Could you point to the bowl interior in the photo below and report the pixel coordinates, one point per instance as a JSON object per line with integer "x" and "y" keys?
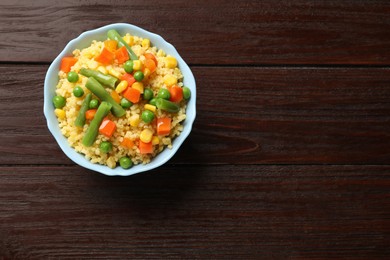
{"x": 83, "y": 41}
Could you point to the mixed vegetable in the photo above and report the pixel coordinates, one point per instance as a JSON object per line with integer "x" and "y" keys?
{"x": 122, "y": 92}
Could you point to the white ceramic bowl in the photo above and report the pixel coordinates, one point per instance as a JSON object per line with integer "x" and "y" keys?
{"x": 83, "y": 41}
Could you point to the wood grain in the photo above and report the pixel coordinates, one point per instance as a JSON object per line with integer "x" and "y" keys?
{"x": 196, "y": 212}
{"x": 212, "y": 31}
{"x": 262, "y": 115}
{"x": 288, "y": 157}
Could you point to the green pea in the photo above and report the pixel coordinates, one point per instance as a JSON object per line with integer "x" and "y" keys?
{"x": 125, "y": 103}
{"x": 139, "y": 76}
{"x": 148, "y": 94}
{"x": 78, "y": 91}
{"x": 164, "y": 94}
{"x": 73, "y": 76}
{"x": 59, "y": 101}
{"x": 105, "y": 147}
{"x": 147, "y": 116}
{"x": 128, "y": 66}
{"x": 94, "y": 103}
{"x": 153, "y": 102}
{"x": 186, "y": 93}
{"x": 125, "y": 162}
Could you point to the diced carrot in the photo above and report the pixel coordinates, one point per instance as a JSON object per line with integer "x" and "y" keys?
{"x": 132, "y": 94}
{"x": 150, "y": 64}
{"x": 145, "y": 148}
{"x": 116, "y": 96}
{"x": 163, "y": 126}
{"x": 127, "y": 142}
{"x": 107, "y": 127}
{"x": 176, "y": 93}
{"x": 67, "y": 63}
{"x": 152, "y": 57}
{"x": 90, "y": 114}
{"x": 129, "y": 78}
{"x": 121, "y": 55}
{"x": 106, "y": 57}
{"x": 110, "y": 45}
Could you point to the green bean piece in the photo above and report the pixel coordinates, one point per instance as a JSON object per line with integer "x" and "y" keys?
{"x": 80, "y": 119}
{"x": 114, "y": 35}
{"x": 104, "y": 79}
{"x": 93, "y": 129}
{"x": 167, "y": 105}
{"x": 96, "y": 88}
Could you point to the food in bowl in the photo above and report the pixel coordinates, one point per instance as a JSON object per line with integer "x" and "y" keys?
{"x": 120, "y": 101}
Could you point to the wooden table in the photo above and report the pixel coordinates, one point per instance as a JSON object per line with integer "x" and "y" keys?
{"x": 289, "y": 156}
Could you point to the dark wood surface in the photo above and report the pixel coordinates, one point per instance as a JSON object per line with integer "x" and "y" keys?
{"x": 289, "y": 155}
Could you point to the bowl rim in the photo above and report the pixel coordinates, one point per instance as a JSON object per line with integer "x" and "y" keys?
{"x": 79, "y": 158}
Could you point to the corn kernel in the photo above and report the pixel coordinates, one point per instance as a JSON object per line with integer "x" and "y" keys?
{"x": 115, "y": 96}
{"x": 138, "y": 86}
{"x": 102, "y": 69}
{"x": 170, "y": 80}
{"x": 146, "y": 135}
{"x": 128, "y": 39}
{"x": 147, "y": 72}
{"x": 92, "y": 64}
{"x": 111, "y": 162}
{"x": 155, "y": 140}
{"x": 111, "y": 45}
{"x": 115, "y": 73}
{"x": 121, "y": 86}
{"x": 137, "y": 65}
{"x": 60, "y": 113}
{"x": 134, "y": 121}
{"x": 170, "y": 62}
{"x": 145, "y": 43}
{"x": 150, "y": 107}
